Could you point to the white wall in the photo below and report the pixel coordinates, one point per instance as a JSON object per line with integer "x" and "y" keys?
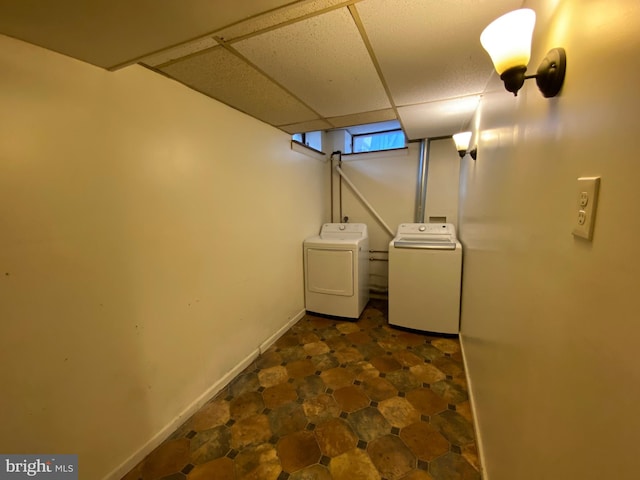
{"x": 442, "y": 181}
{"x": 388, "y": 181}
{"x": 550, "y": 322}
{"x": 151, "y": 240}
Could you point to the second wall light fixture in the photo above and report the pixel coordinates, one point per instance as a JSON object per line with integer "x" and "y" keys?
{"x": 508, "y": 42}
{"x": 462, "y": 144}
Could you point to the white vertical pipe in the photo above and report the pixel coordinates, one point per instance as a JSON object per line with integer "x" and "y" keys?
{"x": 364, "y": 200}
{"x": 423, "y": 174}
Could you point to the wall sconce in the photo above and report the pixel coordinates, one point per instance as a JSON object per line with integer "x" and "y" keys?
{"x": 508, "y": 42}
{"x": 462, "y": 144}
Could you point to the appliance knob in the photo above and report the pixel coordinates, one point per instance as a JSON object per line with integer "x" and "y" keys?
{"x": 422, "y": 228}
{"x": 341, "y": 227}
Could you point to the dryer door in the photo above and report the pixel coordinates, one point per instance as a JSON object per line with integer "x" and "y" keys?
{"x": 330, "y": 271}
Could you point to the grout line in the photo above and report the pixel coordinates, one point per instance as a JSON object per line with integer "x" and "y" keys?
{"x": 273, "y": 338}
{"x": 198, "y": 403}
{"x": 166, "y": 431}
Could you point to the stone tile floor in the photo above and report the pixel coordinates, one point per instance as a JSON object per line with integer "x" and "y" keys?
{"x": 333, "y": 399}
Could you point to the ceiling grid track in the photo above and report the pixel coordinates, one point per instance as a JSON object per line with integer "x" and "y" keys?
{"x": 233, "y": 51}
{"x": 187, "y": 57}
{"x": 164, "y": 74}
{"x": 365, "y": 38}
{"x": 210, "y": 34}
{"x": 416, "y": 62}
{"x": 230, "y": 41}
{"x": 292, "y": 21}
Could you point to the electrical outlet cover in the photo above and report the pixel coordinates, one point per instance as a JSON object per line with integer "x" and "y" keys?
{"x": 585, "y": 207}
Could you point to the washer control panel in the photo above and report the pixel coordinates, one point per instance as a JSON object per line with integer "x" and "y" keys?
{"x": 427, "y": 229}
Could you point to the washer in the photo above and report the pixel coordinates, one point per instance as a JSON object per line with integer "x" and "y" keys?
{"x": 425, "y": 273}
{"x": 336, "y": 265}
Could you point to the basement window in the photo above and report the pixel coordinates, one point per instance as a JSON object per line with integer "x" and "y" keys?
{"x": 377, "y": 141}
{"x": 308, "y": 143}
{"x": 309, "y": 139}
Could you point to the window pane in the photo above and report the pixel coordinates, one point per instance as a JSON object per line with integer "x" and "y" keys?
{"x": 374, "y": 142}
{"x": 310, "y": 139}
{"x": 314, "y": 140}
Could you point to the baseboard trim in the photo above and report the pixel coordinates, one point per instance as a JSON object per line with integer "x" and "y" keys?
{"x": 273, "y": 338}
{"x": 192, "y": 408}
{"x": 483, "y": 471}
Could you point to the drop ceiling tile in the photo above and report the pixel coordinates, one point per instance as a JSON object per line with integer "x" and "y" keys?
{"x": 323, "y": 61}
{"x": 311, "y": 126}
{"x": 223, "y": 76}
{"x": 116, "y": 32}
{"x": 277, "y": 17}
{"x": 431, "y": 49}
{"x": 437, "y": 119}
{"x": 363, "y": 118}
{"x": 179, "y": 52}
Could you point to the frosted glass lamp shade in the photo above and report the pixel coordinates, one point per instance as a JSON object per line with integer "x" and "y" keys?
{"x": 462, "y": 141}
{"x": 462, "y": 144}
{"x": 507, "y": 39}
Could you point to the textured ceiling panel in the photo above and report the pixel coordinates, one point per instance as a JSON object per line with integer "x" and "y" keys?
{"x": 430, "y": 49}
{"x": 323, "y": 61}
{"x": 224, "y": 76}
{"x": 180, "y": 51}
{"x": 362, "y": 118}
{"x": 109, "y": 33}
{"x": 280, "y": 16}
{"x": 300, "y": 65}
{"x": 311, "y": 126}
{"x": 438, "y": 119}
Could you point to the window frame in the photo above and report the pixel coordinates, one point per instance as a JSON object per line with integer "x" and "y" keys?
{"x": 381, "y": 132}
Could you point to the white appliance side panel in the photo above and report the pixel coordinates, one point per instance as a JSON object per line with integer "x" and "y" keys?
{"x": 330, "y": 271}
{"x": 424, "y": 289}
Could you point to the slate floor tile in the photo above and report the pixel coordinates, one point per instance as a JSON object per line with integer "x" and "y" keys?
{"x": 332, "y": 399}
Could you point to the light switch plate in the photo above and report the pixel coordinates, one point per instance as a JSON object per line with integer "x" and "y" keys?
{"x": 585, "y": 207}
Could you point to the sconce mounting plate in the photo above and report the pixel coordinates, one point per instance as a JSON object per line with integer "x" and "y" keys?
{"x": 550, "y": 74}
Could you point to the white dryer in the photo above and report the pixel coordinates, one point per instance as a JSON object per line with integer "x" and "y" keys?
{"x": 425, "y": 273}
{"x": 336, "y": 265}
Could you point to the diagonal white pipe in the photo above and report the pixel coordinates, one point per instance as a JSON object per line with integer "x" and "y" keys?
{"x": 364, "y": 201}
